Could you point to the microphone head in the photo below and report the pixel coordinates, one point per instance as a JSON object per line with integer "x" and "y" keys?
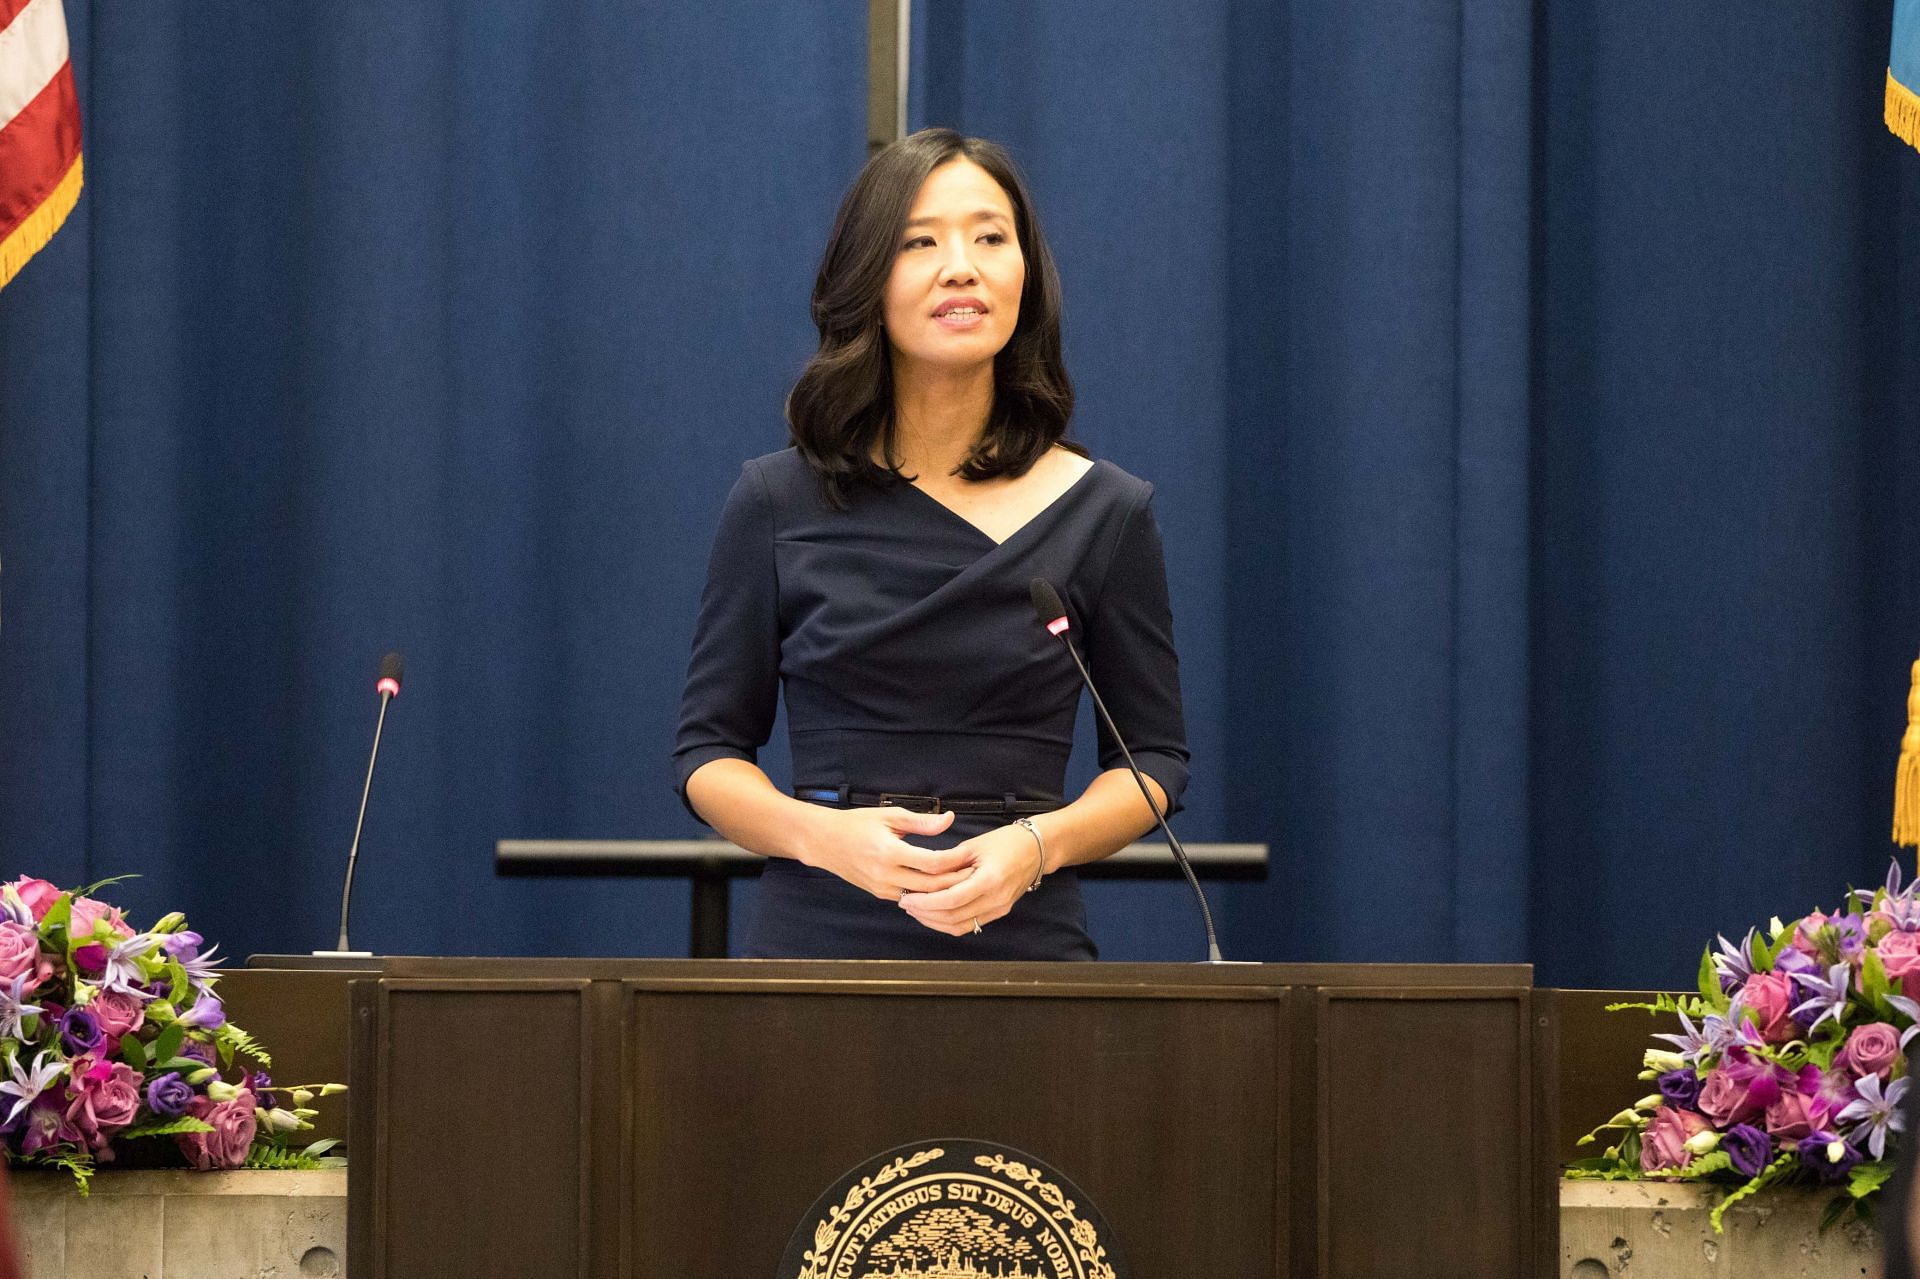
{"x": 1047, "y": 606}
{"x": 391, "y": 668}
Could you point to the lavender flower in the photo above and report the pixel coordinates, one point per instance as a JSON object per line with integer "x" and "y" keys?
{"x": 1749, "y": 1149}
{"x": 1691, "y": 1042}
{"x": 206, "y": 1014}
{"x": 169, "y": 1095}
{"x": 1909, "y": 1009}
{"x": 27, "y": 1084}
{"x": 1877, "y": 1113}
{"x": 13, "y": 910}
{"x": 1829, "y": 995}
{"x": 14, "y": 1007}
{"x": 123, "y": 972}
{"x": 1734, "y": 963}
{"x": 1901, "y": 906}
{"x": 200, "y": 968}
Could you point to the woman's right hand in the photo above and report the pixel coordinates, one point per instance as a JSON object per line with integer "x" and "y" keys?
{"x": 863, "y": 847}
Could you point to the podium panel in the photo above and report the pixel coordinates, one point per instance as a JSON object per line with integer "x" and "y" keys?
{"x": 677, "y": 1118}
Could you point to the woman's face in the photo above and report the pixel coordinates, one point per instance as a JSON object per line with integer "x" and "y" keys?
{"x": 954, "y": 295}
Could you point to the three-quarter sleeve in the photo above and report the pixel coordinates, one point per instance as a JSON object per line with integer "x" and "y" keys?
{"x": 1129, "y": 647}
{"x": 733, "y": 677}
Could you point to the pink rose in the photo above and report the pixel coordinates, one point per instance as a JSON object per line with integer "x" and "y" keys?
{"x": 117, "y": 1014}
{"x": 87, "y": 912}
{"x": 38, "y": 895}
{"x": 1900, "y": 956}
{"x": 232, "y": 1136}
{"x": 105, "y": 1097}
{"x": 1769, "y": 998}
{"x": 20, "y": 955}
{"x": 1803, "y": 931}
{"x": 1796, "y": 1115}
{"x": 1664, "y": 1143}
{"x": 1727, "y": 1097}
{"x": 1871, "y": 1050}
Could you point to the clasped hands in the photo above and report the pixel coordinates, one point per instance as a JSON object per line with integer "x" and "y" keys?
{"x": 948, "y": 890}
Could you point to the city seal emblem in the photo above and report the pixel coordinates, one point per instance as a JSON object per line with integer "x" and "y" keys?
{"x": 952, "y": 1209}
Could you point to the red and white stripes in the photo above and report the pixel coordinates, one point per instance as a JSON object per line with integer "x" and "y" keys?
{"x": 40, "y": 171}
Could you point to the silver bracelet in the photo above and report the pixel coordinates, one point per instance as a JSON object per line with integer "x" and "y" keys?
{"x": 1039, "y": 871}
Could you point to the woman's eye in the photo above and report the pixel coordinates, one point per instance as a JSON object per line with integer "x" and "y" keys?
{"x": 994, "y": 237}
{"x": 916, "y": 242}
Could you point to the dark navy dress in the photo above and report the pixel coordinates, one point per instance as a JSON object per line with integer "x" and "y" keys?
{"x": 913, "y": 663}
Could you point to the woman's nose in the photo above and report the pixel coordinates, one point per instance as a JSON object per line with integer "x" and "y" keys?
{"x": 958, "y": 267}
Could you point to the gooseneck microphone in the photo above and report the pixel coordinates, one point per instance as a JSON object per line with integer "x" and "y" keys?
{"x": 1053, "y": 615}
{"x": 388, "y": 687}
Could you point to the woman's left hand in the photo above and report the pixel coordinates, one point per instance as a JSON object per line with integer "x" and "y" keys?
{"x": 1004, "y": 862}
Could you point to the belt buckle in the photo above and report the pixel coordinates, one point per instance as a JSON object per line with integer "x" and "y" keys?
{"x": 912, "y": 803}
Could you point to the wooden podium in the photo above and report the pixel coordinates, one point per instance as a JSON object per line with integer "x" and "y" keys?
{"x": 677, "y": 1118}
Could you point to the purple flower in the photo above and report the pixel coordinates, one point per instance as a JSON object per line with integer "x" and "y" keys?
{"x": 1681, "y": 1088}
{"x": 1792, "y": 961}
{"x": 1877, "y": 1112}
{"x": 169, "y": 1095}
{"x": 1828, "y": 996}
{"x": 183, "y": 944}
{"x": 14, "y": 1008}
{"x": 1828, "y": 1155}
{"x": 79, "y": 1032}
{"x": 1748, "y": 1148}
{"x": 29, "y": 1082}
{"x": 198, "y": 1051}
{"x": 259, "y": 1083}
{"x": 206, "y": 1014}
{"x": 1734, "y": 964}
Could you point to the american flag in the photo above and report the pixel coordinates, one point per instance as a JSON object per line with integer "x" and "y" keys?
{"x": 39, "y": 130}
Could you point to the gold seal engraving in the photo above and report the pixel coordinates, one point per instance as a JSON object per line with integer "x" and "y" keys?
{"x": 974, "y": 1213}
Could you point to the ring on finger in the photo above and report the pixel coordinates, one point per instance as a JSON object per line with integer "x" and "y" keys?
{"x": 976, "y": 925}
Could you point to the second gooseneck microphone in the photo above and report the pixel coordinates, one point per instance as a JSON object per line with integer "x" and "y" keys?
{"x": 388, "y": 687}
{"x": 1053, "y": 615}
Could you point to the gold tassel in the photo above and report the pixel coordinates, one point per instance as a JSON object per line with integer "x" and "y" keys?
{"x": 1903, "y": 111}
{"x": 1906, "y": 785}
{"x": 32, "y": 235}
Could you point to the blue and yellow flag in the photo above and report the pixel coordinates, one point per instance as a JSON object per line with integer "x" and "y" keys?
{"x": 1903, "y": 73}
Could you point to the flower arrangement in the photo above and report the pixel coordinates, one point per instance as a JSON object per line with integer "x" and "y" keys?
{"x": 1790, "y": 1064}
{"x": 108, "y": 1035}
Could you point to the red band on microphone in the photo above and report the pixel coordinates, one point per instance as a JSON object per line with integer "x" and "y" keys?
{"x": 1058, "y": 626}
{"x": 391, "y": 687}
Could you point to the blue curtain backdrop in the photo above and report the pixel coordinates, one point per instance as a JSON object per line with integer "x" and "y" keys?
{"x": 1532, "y": 390}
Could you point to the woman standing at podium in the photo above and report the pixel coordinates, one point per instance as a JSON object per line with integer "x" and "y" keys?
{"x": 880, "y": 569}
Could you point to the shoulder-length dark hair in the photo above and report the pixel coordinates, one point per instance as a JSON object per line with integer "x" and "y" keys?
{"x": 842, "y": 406}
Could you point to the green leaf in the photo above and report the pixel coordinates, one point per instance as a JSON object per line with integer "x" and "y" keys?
{"x": 1868, "y": 1177}
{"x": 1709, "y": 978}
{"x": 97, "y": 885}
{"x": 181, "y": 1063}
{"x": 233, "y": 1039}
{"x": 1714, "y": 1161}
{"x": 168, "y": 1044}
{"x": 319, "y": 1148}
{"x": 133, "y": 1052}
{"x": 168, "y": 1127}
{"x": 1837, "y": 1205}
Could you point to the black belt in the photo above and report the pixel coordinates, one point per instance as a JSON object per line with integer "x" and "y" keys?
{"x": 846, "y": 797}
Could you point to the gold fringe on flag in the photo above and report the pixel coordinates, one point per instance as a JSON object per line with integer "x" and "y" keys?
{"x": 1906, "y": 785}
{"x": 32, "y": 235}
{"x": 1903, "y": 111}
